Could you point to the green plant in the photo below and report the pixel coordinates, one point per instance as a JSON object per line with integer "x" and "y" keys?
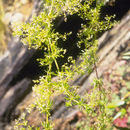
{"x": 40, "y": 33}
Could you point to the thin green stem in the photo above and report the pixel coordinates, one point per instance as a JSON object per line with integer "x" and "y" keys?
{"x": 56, "y": 64}
{"x": 52, "y": 4}
{"x": 50, "y": 44}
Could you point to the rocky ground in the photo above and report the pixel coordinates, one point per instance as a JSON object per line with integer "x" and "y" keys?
{"x": 116, "y": 78}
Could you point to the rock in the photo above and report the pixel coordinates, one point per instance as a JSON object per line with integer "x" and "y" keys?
{"x": 16, "y": 18}
{"x": 7, "y": 18}
{"x": 24, "y": 1}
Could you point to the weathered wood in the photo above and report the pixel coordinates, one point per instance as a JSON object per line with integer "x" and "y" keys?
{"x": 11, "y": 63}
{"x": 15, "y": 58}
{"x": 12, "y": 98}
{"x": 21, "y": 59}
